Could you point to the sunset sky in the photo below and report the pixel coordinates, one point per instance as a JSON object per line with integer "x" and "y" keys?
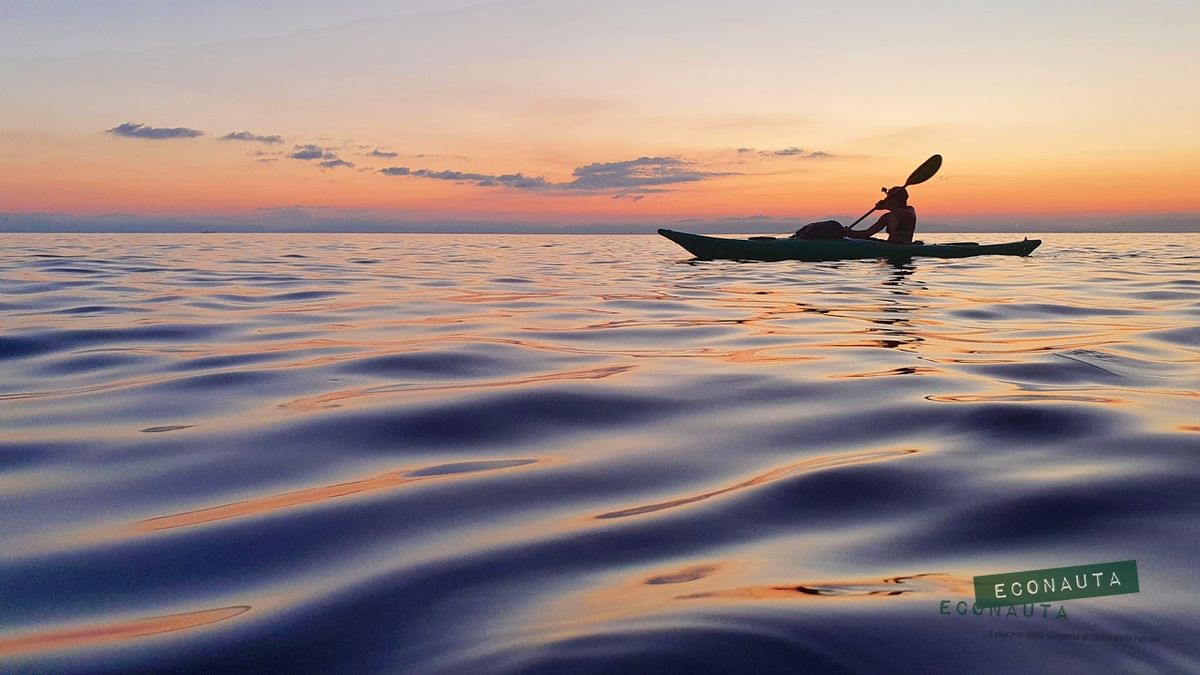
{"x": 571, "y": 112}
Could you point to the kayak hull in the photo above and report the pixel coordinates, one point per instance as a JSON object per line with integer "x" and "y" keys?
{"x": 817, "y": 250}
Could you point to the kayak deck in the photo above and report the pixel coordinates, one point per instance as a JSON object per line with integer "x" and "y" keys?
{"x": 816, "y": 250}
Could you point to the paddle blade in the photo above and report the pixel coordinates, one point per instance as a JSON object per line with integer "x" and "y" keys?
{"x": 925, "y": 171}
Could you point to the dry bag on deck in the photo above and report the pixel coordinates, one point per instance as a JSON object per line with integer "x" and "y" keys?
{"x": 825, "y": 229}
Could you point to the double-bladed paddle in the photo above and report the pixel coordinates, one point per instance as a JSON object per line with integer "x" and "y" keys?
{"x": 922, "y": 174}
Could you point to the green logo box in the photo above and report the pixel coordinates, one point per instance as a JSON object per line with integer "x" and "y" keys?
{"x": 1056, "y": 583}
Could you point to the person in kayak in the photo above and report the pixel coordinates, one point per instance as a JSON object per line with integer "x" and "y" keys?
{"x": 900, "y": 221}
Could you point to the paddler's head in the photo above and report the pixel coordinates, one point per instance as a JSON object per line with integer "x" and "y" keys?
{"x": 896, "y": 197}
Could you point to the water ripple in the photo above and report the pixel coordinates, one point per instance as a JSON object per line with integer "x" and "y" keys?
{"x": 813, "y": 464}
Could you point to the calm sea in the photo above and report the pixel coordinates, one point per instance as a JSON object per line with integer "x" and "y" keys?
{"x": 565, "y": 454}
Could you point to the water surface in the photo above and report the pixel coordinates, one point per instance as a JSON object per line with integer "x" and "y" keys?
{"x": 495, "y": 454}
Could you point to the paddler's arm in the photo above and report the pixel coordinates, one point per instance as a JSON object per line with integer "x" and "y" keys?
{"x": 866, "y": 234}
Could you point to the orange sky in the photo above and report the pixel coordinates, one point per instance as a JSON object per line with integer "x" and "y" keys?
{"x": 1033, "y": 114}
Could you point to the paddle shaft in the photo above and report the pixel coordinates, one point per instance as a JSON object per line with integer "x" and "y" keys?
{"x": 861, "y": 218}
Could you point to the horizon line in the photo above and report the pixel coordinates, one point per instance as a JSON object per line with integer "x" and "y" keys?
{"x": 302, "y": 220}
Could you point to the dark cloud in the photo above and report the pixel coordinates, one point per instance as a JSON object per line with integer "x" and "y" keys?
{"x": 251, "y": 137}
{"x": 641, "y": 175}
{"x": 326, "y": 158}
{"x": 630, "y": 197}
{"x": 382, "y": 153}
{"x": 311, "y": 152}
{"x": 800, "y": 152}
{"x": 522, "y": 181}
{"x": 451, "y": 175}
{"x": 137, "y": 130}
{"x": 636, "y": 173}
{"x": 515, "y": 180}
{"x": 792, "y": 151}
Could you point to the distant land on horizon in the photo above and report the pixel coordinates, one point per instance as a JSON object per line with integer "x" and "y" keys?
{"x": 303, "y": 220}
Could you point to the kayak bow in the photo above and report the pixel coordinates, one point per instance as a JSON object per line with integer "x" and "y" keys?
{"x": 813, "y": 250}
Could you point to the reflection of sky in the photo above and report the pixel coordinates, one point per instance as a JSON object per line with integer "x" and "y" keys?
{"x": 481, "y": 110}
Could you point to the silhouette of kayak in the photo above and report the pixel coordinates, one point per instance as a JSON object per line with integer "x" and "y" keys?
{"x": 813, "y": 250}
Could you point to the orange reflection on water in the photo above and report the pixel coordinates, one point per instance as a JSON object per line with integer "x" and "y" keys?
{"x": 682, "y": 576}
{"x": 286, "y": 500}
{"x": 680, "y": 589}
{"x": 331, "y": 399}
{"x": 481, "y": 296}
{"x": 1024, "y": 397}
{"x": 197, "y": 352}
{"x": 813, "y": 464}
{"x": 762, "y": 355}
{"x": 906, "y": 370}
{"x": 100, "y": 634}
{"x": 929, "y": 583}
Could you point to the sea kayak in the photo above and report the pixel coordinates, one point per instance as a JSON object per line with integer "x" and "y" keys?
{"x": 812, "y": 250}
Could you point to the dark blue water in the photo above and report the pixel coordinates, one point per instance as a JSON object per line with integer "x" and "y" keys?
{"x": 436, "y": 454}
